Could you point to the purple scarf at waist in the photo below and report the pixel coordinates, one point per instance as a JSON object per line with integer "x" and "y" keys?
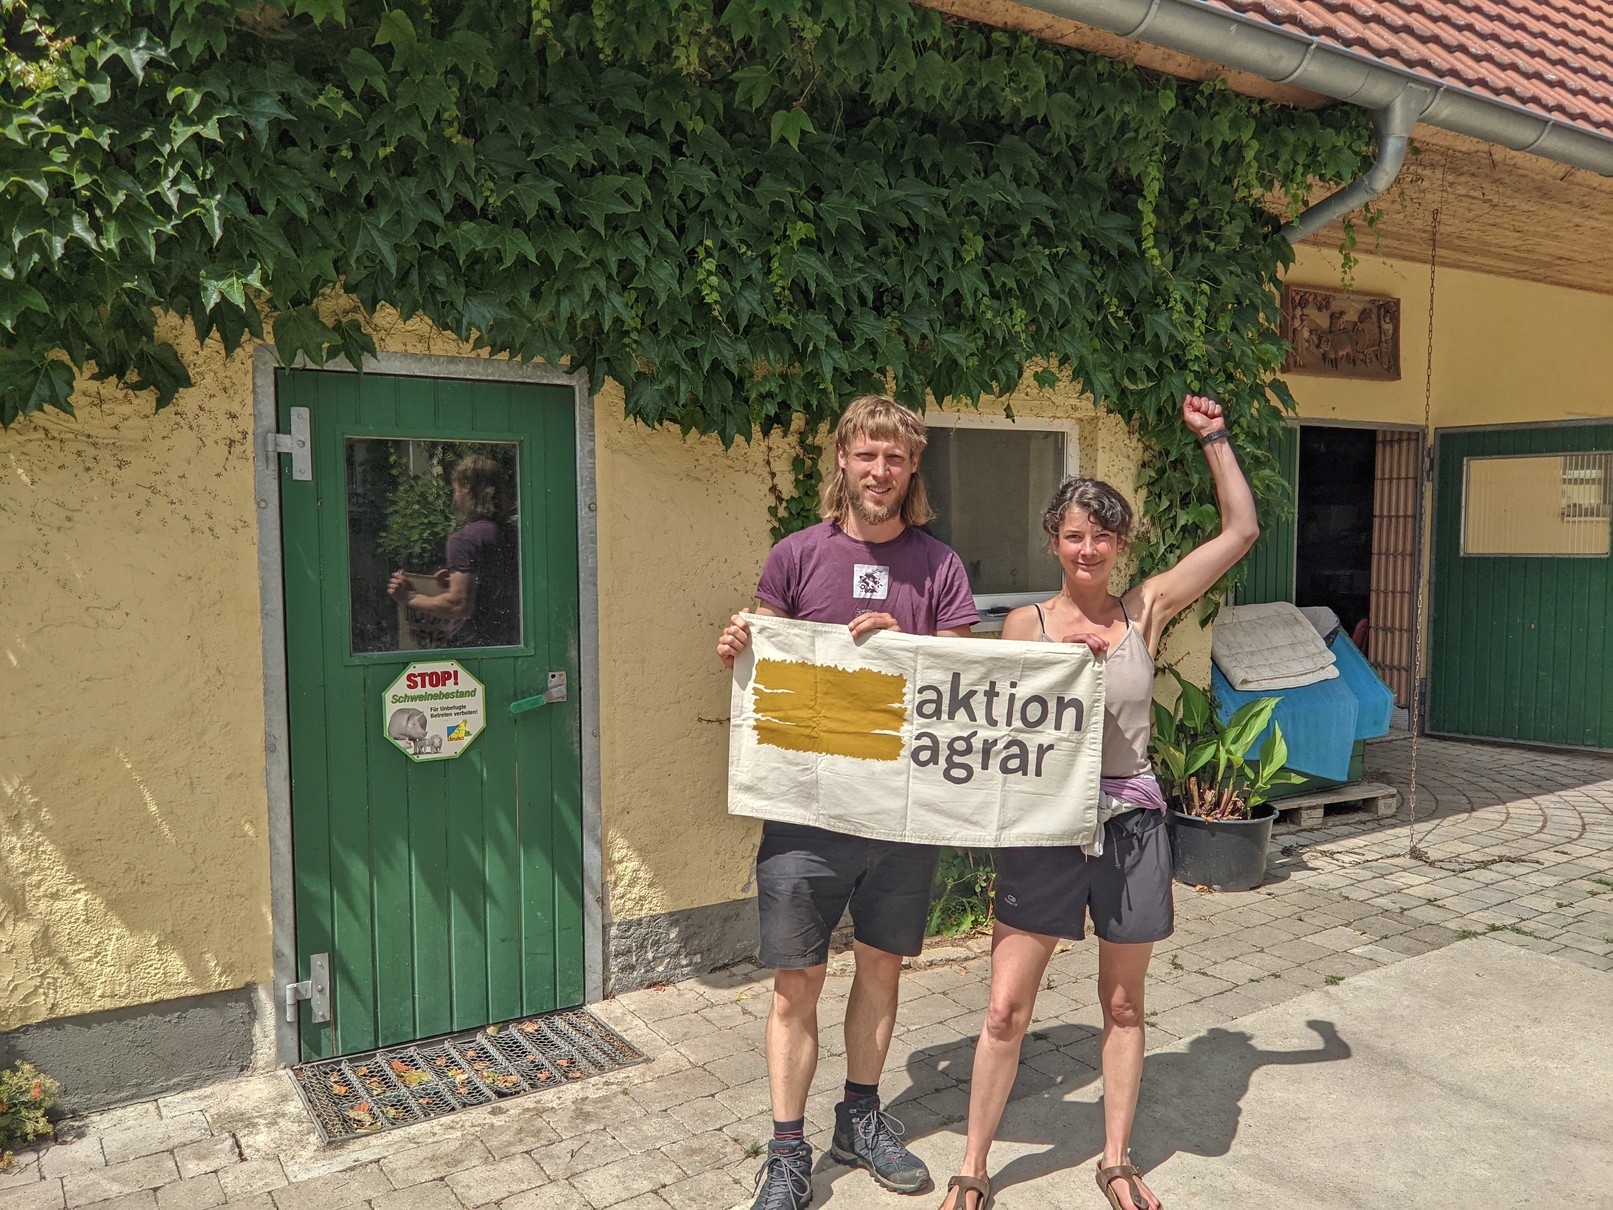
{"x": 1142, "y": 789}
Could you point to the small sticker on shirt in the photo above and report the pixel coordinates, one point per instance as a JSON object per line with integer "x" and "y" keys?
{"x": 871, "y": 582}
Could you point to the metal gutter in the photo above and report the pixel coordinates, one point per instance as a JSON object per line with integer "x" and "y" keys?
{"x": 1399, "y": 98}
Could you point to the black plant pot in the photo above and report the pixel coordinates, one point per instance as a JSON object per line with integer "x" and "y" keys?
{"x": 1222, "y": 854}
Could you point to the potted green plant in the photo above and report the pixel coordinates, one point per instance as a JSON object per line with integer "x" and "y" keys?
{"x": 1218, "y": 816}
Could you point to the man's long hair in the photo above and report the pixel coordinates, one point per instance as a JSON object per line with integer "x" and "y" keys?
{"x": 883, "y": 419}
{"x": 484, "y": 479}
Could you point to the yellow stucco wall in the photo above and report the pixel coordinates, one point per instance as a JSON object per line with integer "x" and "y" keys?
{"x": 683, "y": 531}
{"x": 133, "y": 855}
{"x": 1505, "y": 351}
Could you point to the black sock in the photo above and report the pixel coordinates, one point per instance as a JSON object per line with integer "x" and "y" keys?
{"x": 861, "y": 1092}
{"x": 789, "y": 1132}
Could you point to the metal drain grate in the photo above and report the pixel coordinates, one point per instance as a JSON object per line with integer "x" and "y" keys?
{"x": 384, "y": 1089}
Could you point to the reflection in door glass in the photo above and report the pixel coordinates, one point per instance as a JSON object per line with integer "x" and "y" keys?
{"x": 433, "y": 538}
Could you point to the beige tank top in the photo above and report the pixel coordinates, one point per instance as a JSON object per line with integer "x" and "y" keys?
{"x": 1127, "y": 701}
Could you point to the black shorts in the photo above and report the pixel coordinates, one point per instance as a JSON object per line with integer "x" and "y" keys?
{"x": 1127, "y": 890}
{"x": 806, "y": 876}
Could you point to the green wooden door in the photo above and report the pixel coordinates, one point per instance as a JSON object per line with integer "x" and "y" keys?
{"x": 1521, "y": 636}
{"x": 446, "y": 892}
{"x": 1269, "y": 568}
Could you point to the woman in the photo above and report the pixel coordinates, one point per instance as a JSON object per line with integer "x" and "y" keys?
{"x": 1044, "y": 894}
{"x": 479, "y": 601}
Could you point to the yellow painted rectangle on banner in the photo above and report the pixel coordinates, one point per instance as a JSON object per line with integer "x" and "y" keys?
{"x": 833, "y": 711}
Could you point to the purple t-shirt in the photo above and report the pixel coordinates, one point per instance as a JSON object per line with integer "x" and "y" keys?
{"x": 820, "y": 574}
{"x": 485, "y": 550}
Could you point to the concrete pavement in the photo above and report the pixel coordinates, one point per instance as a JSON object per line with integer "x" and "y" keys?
{"x": 1408, "y": 1010}
{"x": 1475, "y": 1076}
{"x": 1435, "y": 1081}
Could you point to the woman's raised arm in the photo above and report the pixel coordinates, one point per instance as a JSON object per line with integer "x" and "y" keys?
{"x": 1169, "y": 592}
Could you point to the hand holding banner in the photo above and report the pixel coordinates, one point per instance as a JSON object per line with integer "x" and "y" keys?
{"x": 911, "y": 738}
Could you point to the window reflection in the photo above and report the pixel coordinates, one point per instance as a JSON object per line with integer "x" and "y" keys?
{"x": 988, "y": 488}
{"x": 433, "y": 544}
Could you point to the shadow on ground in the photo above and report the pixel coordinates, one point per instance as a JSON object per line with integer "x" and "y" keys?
{"x": 1055, "y": 1108}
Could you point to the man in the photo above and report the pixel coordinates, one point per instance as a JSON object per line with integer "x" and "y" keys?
{"x": 867, "y": 566}
{"x": 479, "y": 602}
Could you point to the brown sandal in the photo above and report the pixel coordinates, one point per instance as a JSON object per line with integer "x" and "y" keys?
{"x": 1127, "y": 1172}
{"x": 967, "y": 1185}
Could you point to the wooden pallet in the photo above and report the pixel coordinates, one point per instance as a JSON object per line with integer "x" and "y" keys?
{"x": 1375, "y": 800}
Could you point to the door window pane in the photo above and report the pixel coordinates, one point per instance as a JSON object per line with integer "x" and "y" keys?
{"x": 433, "y": 539}
{"x": 1538, "y": 504}
{"x": 989, "y": 488}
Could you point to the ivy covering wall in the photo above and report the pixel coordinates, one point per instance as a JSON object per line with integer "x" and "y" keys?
{"x": 742, "y": 210}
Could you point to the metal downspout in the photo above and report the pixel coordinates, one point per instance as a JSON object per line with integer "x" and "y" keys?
{"x": 1394, "y": 123}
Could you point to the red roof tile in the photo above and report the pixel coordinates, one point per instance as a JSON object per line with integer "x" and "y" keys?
{"x": 1552, "y": 57}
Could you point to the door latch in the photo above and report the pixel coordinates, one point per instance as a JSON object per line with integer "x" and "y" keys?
{"x": 295, "y": 443}
{"x": 556, "y": 692}
{"x": 315, "y": 989}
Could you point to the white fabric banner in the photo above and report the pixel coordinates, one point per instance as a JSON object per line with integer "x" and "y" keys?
{"x": 973, "y": 743}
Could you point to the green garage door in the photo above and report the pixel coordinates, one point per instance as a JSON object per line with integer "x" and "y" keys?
{"x": 1520, "y": 645}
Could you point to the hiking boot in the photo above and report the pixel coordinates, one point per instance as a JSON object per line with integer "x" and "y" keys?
{"x": 785, "y": 1181}
{"x": 867, "y": 1136}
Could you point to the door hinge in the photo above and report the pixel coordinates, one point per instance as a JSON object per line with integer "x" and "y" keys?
{"x": 315, "y": 989}
{"x": 1428, "y": 464}
{"x": 295, "y": 443}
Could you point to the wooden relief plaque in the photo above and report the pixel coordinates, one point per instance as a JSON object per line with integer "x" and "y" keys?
{"x": 1341, "y": 334}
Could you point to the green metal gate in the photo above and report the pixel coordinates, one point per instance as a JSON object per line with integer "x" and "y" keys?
{"x": 1519, "y": 643}
{"x": 446, "y": 893}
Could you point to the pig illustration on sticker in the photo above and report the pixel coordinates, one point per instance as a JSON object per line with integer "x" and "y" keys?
{"x": 407, "y": 729}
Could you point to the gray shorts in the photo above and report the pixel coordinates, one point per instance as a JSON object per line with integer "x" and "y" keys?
{"x": 1127, "y": 890}
{"x": 806, "y": 876}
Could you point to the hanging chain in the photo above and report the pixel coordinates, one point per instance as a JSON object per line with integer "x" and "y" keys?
{"x": 1416, "y": 851}
{"x": 1416, "y": 703}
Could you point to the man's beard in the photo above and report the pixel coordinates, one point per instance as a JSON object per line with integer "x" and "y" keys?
{"x": 869, "y": 515}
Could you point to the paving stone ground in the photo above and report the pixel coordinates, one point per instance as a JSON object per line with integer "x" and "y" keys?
{"x": 1503, "y": 842}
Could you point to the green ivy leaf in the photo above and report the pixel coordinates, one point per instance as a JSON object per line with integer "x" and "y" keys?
{"x": 301, "y": 332}
{"x": 157, "y": 368}
{"x": 320, "y": 10}
{"x": 395, "y": 29}
{"x": 28, "y": 385}
{"x": 137, "y": 52}
{"x": 789, "y": 125}
{"x": 363, "y": 69}
{"x": 17, "y": 297}
{"x": 753, "y": 85}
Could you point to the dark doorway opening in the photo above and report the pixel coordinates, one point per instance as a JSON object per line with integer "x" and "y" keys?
{"x": 1333, "y": 547}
